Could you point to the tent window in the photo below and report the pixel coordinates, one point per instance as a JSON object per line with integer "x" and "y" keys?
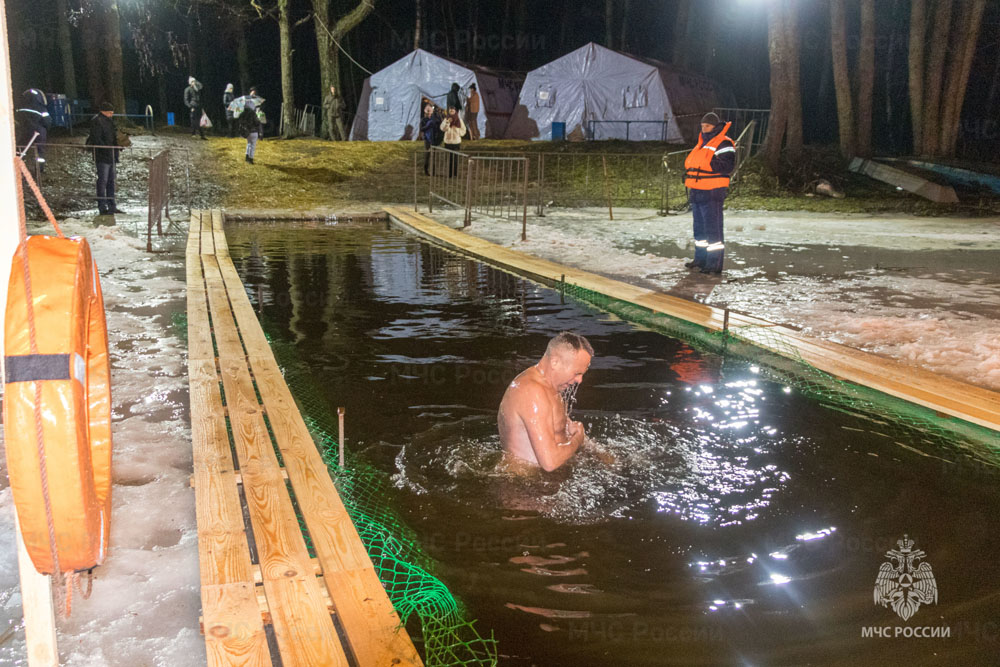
{"x": 634, "y": 97}
{"x": 545, "y": 96}
{"x": 380, "y": 101}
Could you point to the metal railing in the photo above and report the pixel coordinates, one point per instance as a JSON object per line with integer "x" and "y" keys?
{"x": 303, "y": 120}
{"x": 159, "y": 196}
{"x": 448, "y": 178}
{"x": 67, "y": 181}
{"x": 744, "y": 118}
{"x": 498, "y": 187}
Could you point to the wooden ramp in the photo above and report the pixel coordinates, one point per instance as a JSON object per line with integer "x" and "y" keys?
{"x": 944, "y": 395}
{"x": 260, "y": 588}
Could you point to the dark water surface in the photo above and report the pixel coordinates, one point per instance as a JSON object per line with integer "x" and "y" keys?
{"x": 740, "y": 523}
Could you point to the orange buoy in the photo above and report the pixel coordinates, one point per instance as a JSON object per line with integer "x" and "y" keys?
{"x": 58, "y": 402}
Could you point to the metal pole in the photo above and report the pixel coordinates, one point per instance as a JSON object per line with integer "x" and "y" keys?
{"x": 524, "y": 203}
{"x": 468, "y": 193}
{"x": 340, "y": 435}
{"x": 415, "y": 181}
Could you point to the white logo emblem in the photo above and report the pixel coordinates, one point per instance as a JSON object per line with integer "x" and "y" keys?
{"x": 904, "y": 584}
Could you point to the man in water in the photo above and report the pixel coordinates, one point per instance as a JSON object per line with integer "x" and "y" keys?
{"x": 533, "y": 420}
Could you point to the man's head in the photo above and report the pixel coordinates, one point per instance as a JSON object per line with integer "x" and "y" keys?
{"x": 333, "y": 90}
{"x": 192, "y": 80}
{"x": 472, "y": 87}
{"x": 709, "y": 121}
{"x": 567, "y": 357}
{"x": 253, "y": 90}
{"x": 106, "y": 109}
{"x": 230, "y": 88}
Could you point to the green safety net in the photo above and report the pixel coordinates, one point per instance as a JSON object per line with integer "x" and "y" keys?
{"x": 450, "y": 639}
{"x": 908, "y": 424}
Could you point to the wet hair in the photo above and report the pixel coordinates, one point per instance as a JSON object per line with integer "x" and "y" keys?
{"x": 575, "y": 342}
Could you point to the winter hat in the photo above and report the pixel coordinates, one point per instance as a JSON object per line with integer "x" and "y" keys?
{"x": 106, "y": 106}
{"x": 710, "y": 118}
{"x": 192, "y": 80}
{"x": 229, "y": 87}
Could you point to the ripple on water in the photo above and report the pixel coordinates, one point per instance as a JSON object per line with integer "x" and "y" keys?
{"x": 700, "y": 475}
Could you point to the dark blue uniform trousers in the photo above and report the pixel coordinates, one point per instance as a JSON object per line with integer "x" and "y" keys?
{"x": 706, "y": 206}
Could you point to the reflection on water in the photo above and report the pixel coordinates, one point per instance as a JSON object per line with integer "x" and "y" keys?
{"x": 739, "y": 523}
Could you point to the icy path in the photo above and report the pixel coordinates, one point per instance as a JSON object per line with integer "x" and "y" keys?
{"x": 145, "y": 605}
{"x": 925, "y": 291}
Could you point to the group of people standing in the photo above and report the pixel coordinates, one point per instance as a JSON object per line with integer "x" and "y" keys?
{"x": 244, "y": 115}
{"x": 449, "y": 128}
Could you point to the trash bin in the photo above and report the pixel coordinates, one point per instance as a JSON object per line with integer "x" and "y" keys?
{"x": 558, "y": 131}
{"x": 170, "y": 118}
{"x": 59, "y": 110}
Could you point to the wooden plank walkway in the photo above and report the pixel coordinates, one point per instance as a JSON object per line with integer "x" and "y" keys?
{"x": 329, "y": 610}
{"x": 944, "y": 395}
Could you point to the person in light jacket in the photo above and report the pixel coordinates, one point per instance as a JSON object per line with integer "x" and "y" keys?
{"x": 454, "y": 129}
{"x": 227, "y": 99}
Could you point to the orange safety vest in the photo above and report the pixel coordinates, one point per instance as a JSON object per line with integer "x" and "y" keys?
{"x": 698, "y": 174}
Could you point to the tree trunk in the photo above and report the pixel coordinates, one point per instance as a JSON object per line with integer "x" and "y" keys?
{"x": 777, "y": 55}
{"x": 681, "y": 31}
{"x": 114, "y": 83}
{"x": 918, "y": 36}
{"x": 609, "y": 23}
{"x": 327, "y": 36}
{"x": 287, "y": 88}
{"x": 866, "y": 79}
{"x": 564, "y": 24}
{"x": 935, "y": 74}
{"x": 93, "y": 52}
{"x": 968, "y": 32}
{"x": 65, "y": 38}
{"x": 161, "y": 98}
{"x": 841, "y": 76}
{"x": 792, "y": 44}
{"x": 416, "y": 25}
{"x": 243, "y": 61}
{"x": 623, "y": 41}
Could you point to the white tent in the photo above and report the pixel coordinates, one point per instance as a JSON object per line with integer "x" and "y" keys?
{"x": 389, "y": 106}
{"x": 602, "y": 94}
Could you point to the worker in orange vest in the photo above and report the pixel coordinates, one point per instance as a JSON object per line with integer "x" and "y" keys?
{"x": 706, "y": 176}
{"x": 472, "y": 112}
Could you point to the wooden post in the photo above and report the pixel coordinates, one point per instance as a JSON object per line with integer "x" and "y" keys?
{"x": 39, "y": 611}
{"x": 415, "y": 181}
{"x": 607, "y": 189}
{"x": 340, "y": 436}
{"x": 468, "y": 192}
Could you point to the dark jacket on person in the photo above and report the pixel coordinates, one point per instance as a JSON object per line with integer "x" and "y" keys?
{"x": 227, "y": 99}
{"x": 250, "y": 123}
{"x": 455, "y": 98}
{"x": 192, "y": 96}
{"x": 724, "y": 162}
{"x": 32, "y": 115}
{"x": 429, "y": 129}
{"x": 103, "y": 133}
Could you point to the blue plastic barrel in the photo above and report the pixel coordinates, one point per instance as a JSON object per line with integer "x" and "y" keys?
{"x": 558, "y": 131}
{"x": 170, "y": 118}
{"x": 59, "y": 110}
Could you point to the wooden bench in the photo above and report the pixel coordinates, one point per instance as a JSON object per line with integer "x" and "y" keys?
{"x": 310, "y": 604}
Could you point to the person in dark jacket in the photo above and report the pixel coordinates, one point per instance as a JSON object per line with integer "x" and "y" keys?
{"x": 429, "y": 123}
{"x": 192, "y": 100}
{"x": 333, "y": 113}
{"x": 227, "y": 99}
{"x": 706, "y": 176}
{"x": 104, "y": 138}
{"x": 251, "y": 126}
{"x": 32, "y": 117}
{"x": 455, "y": 98}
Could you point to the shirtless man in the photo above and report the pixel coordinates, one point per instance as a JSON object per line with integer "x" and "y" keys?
{"x": 532, "y": 419}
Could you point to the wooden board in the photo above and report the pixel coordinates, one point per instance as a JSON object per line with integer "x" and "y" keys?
{"x": 234, "y": 631}
{"x": 370, "y": 622}
{"x": 944, "y": 395}
{"x": 942, "y": 194}
{"x": 294, "y": 593}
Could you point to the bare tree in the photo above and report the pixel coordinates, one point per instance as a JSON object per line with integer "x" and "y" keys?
{"x": 792, "y": 44}
{"x": 967, "y": 34}
{"x": 65, "y": 39}
{"x": 329, "y": 35}
{"x": 866, "y": 79}
{"x": 841, "y": 76}
{"x": 623, "y": 40}
{"x": 609, "y": 23}
{"x": 777, "y": 55}
{"x": 918, "y": 36}
{"x": 934, "y": 76}
{"x": 682, "y": 32}
{"x": 287, "y": 84}
{"x": 416, "y": 25}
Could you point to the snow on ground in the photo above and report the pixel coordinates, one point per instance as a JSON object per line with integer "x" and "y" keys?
{"x": 146, "y": 602}
{"x": 924, "y": 291}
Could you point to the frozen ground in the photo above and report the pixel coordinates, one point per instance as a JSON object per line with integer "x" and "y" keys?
{"x": 924, "y": 291}
{"x": 145, "y": 604}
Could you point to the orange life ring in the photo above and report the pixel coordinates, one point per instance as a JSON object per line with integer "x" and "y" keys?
{"x": 66, "y": 377}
